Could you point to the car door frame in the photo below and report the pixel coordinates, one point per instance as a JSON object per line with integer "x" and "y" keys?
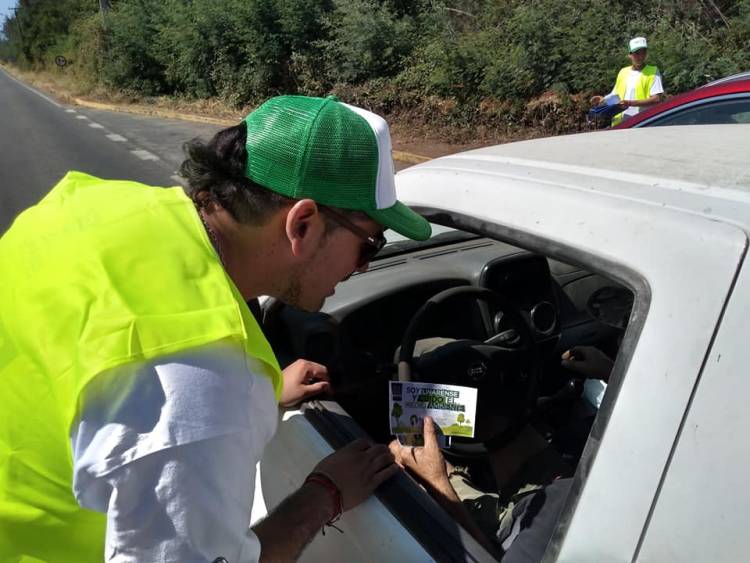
{"x": 653, "y": 121}
{"x": 620, "y": 473}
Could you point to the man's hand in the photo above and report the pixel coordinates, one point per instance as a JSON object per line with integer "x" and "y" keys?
{"x": 588, "y": 361}
{"x": 302, "y": 380}
{"x": 596, "y": 100}
{"x": 358, "y": 469}
{"x": 426, "y": 462}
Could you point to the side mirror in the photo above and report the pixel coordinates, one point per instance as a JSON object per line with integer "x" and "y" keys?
{"x": 611, "y": 306}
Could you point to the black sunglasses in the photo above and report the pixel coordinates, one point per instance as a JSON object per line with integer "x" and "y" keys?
{"x": 371, "y": 245}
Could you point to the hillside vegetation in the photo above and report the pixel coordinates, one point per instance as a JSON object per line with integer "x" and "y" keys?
{"x": 477, "y": 67}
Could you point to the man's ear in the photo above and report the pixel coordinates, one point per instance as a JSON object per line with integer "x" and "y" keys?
{"x": 304, "y": 228}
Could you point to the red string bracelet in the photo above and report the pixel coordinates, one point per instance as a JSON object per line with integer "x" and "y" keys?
{"x": 327, "y": 483}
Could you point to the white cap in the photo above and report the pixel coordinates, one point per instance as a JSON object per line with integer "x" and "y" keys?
{"x": 638, "y": 43}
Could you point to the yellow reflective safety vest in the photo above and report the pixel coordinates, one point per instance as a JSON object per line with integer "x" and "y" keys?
{"x": 98, "y": 274}
{"x": 642, "y": 87}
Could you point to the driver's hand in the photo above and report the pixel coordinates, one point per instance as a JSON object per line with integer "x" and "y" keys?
{"x": 588, "y": 361}
{"x": 426, "y": 462}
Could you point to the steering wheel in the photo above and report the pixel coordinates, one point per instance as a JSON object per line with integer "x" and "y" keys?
{"x": 504, "y": 369}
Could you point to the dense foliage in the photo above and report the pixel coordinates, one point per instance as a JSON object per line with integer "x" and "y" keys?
{"x": 456, "y": 58}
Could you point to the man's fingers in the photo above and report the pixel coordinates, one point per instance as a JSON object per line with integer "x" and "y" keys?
{"x": 317, "y": 371}
{"x": 395, "y": 449}
{"x": 430, "y": 437}
{"x": 578, "y": 352}
{"x": 382, "y": 461}
{"x": 315, "y": 388}
{"x": 413, "y": 456}
{"x": 385, "y": 474}
{"x": 322, "y": 376}
{"x": 377, "y": 451}
{"x": 309, "y": 372}
{"x": 429, "y": 427}
{"x": 575, "y": 354}
{"x": 360, "y": 444}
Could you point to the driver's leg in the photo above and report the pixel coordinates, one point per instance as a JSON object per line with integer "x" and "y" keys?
{"x": 526, "y": 463}
{"x": 499, "y": 515}
{"x": 483, "y": 506}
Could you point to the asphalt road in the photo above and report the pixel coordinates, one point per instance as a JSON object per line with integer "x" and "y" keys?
{"x": 41, "y": 140}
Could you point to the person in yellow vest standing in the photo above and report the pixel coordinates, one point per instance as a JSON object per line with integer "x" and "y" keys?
{"x": 138, "y": 391}
{"x": 637, "y": 86}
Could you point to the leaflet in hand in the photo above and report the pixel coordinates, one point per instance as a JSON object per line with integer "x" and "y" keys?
{"x": 610, "y": 100}
{"x": 453, "y": 408}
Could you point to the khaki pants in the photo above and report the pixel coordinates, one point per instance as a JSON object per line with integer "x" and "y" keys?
{"x": 494, "y": 512}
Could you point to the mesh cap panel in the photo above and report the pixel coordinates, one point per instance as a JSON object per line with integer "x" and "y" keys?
{"x": 312, "y": 147}
{"x": 343, "y": 160}
{"x": 319, "y": 148}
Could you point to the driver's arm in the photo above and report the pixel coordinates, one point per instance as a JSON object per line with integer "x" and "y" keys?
{"x": 588, "y": 361}
{"x": 428, "y": 464}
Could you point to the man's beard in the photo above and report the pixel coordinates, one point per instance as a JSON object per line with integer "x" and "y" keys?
{"x": 292, "y": 294}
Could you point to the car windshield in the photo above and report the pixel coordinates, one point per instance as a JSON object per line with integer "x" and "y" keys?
{"x": 398, "y": 244}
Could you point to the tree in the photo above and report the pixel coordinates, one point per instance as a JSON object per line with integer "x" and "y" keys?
{"x": 44, "y": 25}
{"x": 397, "y": 412}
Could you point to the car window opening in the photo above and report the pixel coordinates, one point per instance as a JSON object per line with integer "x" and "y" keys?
{"x": 546, "y": 346}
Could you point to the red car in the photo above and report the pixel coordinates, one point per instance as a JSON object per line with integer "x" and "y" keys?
{"x": 723, "y": 101}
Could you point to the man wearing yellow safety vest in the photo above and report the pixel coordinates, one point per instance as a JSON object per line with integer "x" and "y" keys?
{"x": 138, "y": 391}
{"x": 637, "y": 86}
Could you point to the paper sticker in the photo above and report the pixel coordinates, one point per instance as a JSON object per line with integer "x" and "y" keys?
{"x": 453, "y": 408}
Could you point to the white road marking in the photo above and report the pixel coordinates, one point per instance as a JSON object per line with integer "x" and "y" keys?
{"x": 50, "y": 100}
{"x": 144, "y": 155}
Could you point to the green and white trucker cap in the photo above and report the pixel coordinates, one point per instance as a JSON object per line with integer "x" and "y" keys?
{"x": 333, "y": 153}
{"x": 637, "y": 43}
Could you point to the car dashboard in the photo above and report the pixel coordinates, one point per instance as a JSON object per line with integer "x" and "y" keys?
{"x": 358, "y": 331}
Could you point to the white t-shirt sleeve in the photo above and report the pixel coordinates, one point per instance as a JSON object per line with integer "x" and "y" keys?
{"x": 656, "y": 86}
{"x": 168, "y": 450}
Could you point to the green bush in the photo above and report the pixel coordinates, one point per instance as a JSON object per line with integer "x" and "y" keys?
{"x": 130, "y": 59}
{"x": 86, "y": 47}
{"x": 238, "y": 49}
{"x": 184, "y": 45}
{"x": 366, "y": 40}
{"x": 451, "y": 61}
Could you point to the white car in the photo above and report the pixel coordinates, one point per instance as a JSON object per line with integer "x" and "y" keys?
{"x": 634, "y": 241}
